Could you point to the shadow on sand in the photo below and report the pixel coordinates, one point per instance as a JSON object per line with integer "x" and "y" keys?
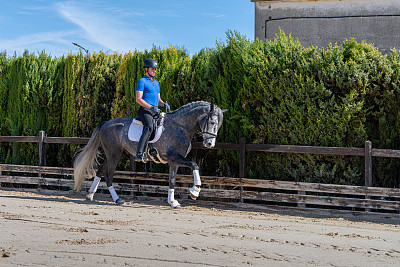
{"x": 187, "y": 203}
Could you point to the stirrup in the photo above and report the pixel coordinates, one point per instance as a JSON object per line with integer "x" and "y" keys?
{"x": 175, "y": 204}
{"x": 194, "y": 192}
{"x": 140, "y": 157}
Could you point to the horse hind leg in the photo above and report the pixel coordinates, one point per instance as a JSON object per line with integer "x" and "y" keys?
{"x": 118, "y": 200}
{"x": 112, "y": 164}
{"x": 93, "y": 188}
{"x": 96, "y": 181}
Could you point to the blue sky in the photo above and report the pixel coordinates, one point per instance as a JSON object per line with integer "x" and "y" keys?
{"x": 120, "y": 26}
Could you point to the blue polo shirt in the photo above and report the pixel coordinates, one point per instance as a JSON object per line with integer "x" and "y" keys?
{"x": 150, "y": 89}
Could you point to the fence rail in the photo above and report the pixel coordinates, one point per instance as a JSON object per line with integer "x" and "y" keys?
{"x": 309, "y": 195}
{"x": 368, "y": 152}
{"x": 312, "y": 195}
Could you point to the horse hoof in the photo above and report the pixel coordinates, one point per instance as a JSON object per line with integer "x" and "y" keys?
{"x": 89, "y": 197}
{"x": 120, "y": 201}
{"x": 175, "y": 204}
{"x": 194, "y": 192}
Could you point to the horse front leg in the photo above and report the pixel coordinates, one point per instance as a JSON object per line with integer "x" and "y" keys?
{"x": 182, "y": 161}
{"x": 195, "y": 190}
{"x": 171, "y": 190}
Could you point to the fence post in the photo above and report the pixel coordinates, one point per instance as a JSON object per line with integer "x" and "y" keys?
{"x": 242, "y": 164}
{"x": 42, "y": 155}
{"x": 133, "y": 169}
{"x": 132, "y": 163}
{"x": 368, "y": 167}
{"x": 368, "y": 163}
{"x": 42, "y": 148}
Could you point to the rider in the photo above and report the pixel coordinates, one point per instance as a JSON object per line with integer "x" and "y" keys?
{"x": 148, "y": 97}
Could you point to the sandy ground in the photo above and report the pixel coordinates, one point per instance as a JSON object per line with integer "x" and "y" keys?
{"x": 56, "y": 230}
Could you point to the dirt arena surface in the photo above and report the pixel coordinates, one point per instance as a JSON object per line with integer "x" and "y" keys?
{"x": 65, "y": 230}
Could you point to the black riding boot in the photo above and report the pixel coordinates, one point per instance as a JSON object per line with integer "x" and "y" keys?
{"x": 142, "y": 144}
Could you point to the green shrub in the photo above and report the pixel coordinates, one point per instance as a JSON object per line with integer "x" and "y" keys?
{"x": 277, "y": 92}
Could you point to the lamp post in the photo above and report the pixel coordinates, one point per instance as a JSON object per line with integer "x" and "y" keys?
{"x": 80, "y": 47}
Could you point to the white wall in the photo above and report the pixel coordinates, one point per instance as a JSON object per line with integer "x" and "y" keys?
{"x": 329, "y": 21}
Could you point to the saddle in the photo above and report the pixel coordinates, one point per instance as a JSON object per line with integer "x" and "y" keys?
{"x": 135, "y": 131}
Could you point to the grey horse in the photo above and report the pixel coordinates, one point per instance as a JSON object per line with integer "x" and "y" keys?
{"x": 172, "y": 147}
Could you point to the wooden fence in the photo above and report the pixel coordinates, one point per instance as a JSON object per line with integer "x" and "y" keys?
{"x": 240, "y": 189}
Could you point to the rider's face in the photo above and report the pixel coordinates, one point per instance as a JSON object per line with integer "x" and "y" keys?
{"x": 151, "y": 72}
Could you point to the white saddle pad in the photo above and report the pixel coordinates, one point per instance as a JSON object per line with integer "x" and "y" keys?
{"x": 135, "y": 131}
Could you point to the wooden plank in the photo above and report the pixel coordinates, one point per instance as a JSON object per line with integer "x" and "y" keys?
{"x": 322, "y": 200}
{"x": 36, "y": 169}
{"x": 220, "y": 193}
{"x": 306, "y": 149}
{"x": 327, "y": 188}
{"x": 66, "y": 140}
{"x": 388, "y": 153}
{"x": 222, "y": 146}
{"x": 228, "y": 181}
{"x": 229, "y": 146}
{"x": 163, "y": 177}
{"x": 36, "y": 181}
{"x": 160, "y": 189}
{"x": 19, "y": 139}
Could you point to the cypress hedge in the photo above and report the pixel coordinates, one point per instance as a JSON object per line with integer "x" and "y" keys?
{"x": 277, "y": 92}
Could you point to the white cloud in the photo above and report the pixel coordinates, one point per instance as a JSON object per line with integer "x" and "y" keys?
{"x": 105, "y": 29}
{"x": 52, "y": 42}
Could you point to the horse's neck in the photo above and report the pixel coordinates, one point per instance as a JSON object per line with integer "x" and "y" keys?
{"x": 189, "y": 118}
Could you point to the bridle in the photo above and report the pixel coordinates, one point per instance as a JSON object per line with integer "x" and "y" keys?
{"x": 205, "y": 132}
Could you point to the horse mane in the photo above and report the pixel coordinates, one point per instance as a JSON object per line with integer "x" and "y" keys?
{"x": 191, "y": 106}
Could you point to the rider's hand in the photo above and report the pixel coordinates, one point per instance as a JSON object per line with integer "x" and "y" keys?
{"x": 155, "y": 109}
{"x": 167, "y": 107}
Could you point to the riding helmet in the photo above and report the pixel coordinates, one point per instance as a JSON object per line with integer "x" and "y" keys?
{"x": 150, "y": 63}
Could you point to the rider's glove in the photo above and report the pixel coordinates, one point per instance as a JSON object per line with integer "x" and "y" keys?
{"x": 155, "y": 109}
{"x": 167, "y": 107}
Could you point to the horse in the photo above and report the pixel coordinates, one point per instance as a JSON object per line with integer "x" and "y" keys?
{"x": 173, "y": 146}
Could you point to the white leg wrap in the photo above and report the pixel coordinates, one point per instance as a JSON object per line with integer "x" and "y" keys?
{"x": 171, "y": 200}
{"x": 95, "y": 184}
{"x": 113, "y": 193}
{"x": 90, "y": 196}
{"x": 196, "y": 175}
{"x": 171, "y": 195}
{"x": 194, "y": 192}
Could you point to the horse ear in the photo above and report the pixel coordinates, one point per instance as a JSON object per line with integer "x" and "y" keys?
{"x": 224, "y": 110}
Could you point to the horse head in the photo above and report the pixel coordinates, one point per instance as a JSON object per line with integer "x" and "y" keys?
{"x": 210, "y": 125}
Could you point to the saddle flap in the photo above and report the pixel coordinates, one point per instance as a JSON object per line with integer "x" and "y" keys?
{"x": 135, "y": 132}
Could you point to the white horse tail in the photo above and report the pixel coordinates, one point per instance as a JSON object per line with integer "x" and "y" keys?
{"x": 85, "y": 164}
